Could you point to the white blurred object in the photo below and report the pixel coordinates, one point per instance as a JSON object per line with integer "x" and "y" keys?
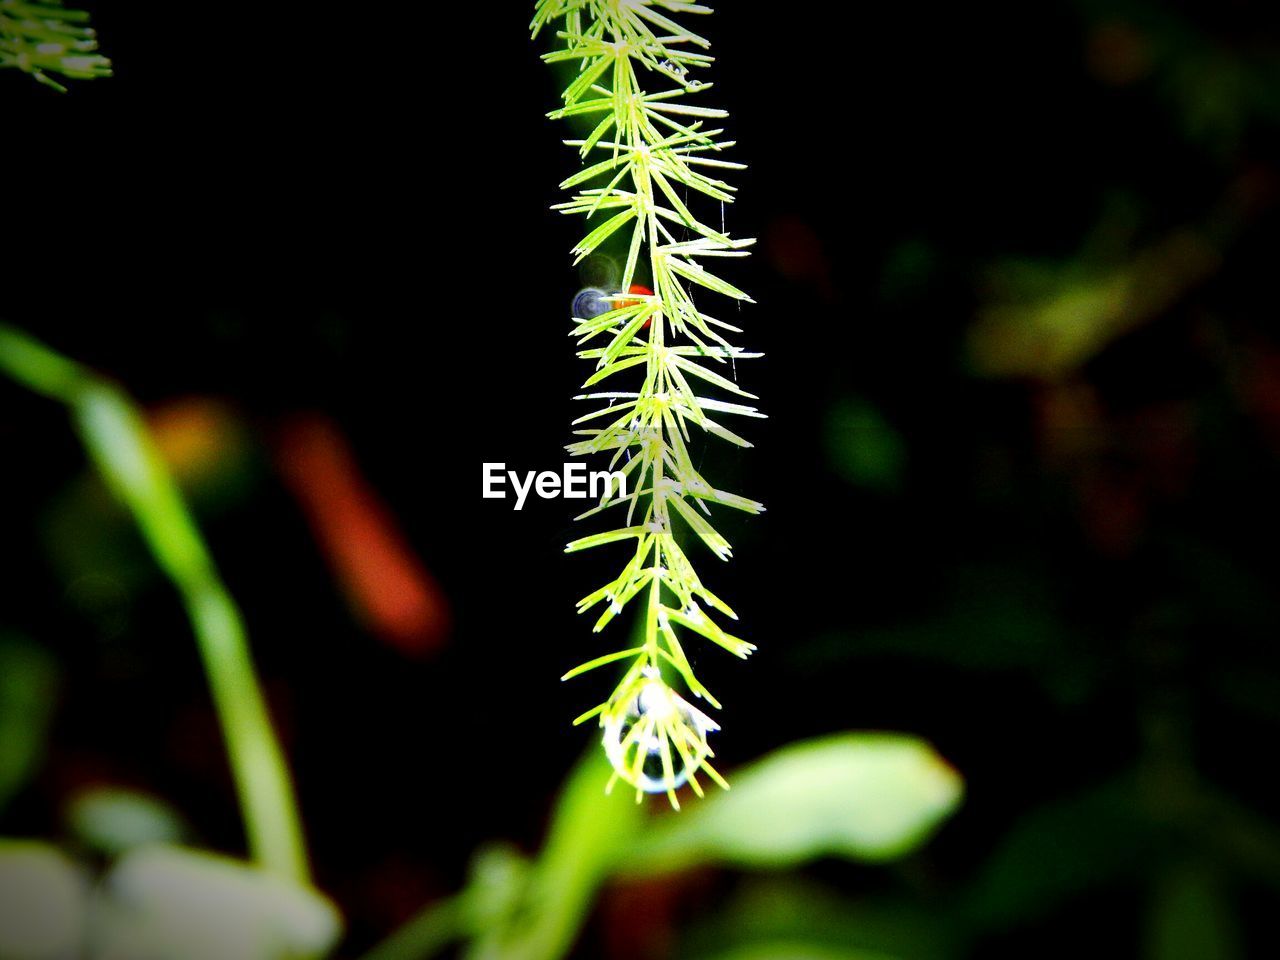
{"x": 43, "y": 899}
{"x": 172, "y": 903}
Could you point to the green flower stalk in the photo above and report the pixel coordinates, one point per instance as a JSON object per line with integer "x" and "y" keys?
{"x": 648, "y": 145}
{"x": 43, "y": 37}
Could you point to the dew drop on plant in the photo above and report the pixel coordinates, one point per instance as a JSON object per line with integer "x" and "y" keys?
{"x": 679, "y": 69}
{"x": 590, "y": 302}
{"x": 650, "y": 720}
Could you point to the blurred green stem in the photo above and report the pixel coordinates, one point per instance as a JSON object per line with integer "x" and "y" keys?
{"x": 426, "y": 934}
{"x": 533, "y": 914}
{"x": 116, "y": 437}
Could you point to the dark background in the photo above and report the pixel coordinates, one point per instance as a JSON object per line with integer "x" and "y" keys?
{"x": 1060, "y": 568}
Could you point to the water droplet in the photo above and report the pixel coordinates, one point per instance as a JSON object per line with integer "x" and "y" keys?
{"x": 638, "y": 742}
{"x": 679, "y": 69}
{"x": 590, "y": 302}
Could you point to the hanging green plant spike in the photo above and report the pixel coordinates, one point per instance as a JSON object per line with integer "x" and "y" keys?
{"x": 651, "y": 155}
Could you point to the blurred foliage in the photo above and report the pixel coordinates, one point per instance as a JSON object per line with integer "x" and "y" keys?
{"x": 864, "y": 449}
{"x": 1067, "y": 848}
{"x": 870, "y": 797}
{"x": 111, "y": 820}
{"x": 780, "y": 909}
{"x": 862, "y": 796}
{"x": 44, "y": 899}
{"x": 119, "y": 443}
{"x": 172, "y": 902}
{"x": 1213, "y": 90}
{"x": 28, "y": 687}
{"x": 157, "y": 902}
{"x": 784, "y": 950}
{"x": 1058, "y": 317}
{"x": 1192, "y": 917}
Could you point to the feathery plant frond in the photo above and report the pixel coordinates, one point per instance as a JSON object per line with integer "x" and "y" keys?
{"x": 647, "y": 146}
{"x": 42, "y": 37}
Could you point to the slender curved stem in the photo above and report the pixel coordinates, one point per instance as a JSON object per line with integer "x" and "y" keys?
{"x": 117, "y": 440}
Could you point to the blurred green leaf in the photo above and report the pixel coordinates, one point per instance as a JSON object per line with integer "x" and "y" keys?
{"x": 1239, "y": 836}
{"x": 498, "y": 878}
{"x": 28, "y": 678}
{"x": 1191, "y": 918}
{"x": 862, "y": 447}
{"x": 1061, "y": 850}
{"x": 1050, "y": 328}
{"x": 866, "y": 796}
{"x": 791, "y": 908}
{"x": 870, "y": 796}
{"x": 111, "y": 820}
{"x": 908, "y": 269}
{"x": 789, "y": 950}
{"x": 88, "y": 535}
{"x": 590, "y": 832}
{"x": 43, "y": 902}
{"x": 172, "y": 902}
{"x": 994, "y": 617}
{"x": 497, "y": 884}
